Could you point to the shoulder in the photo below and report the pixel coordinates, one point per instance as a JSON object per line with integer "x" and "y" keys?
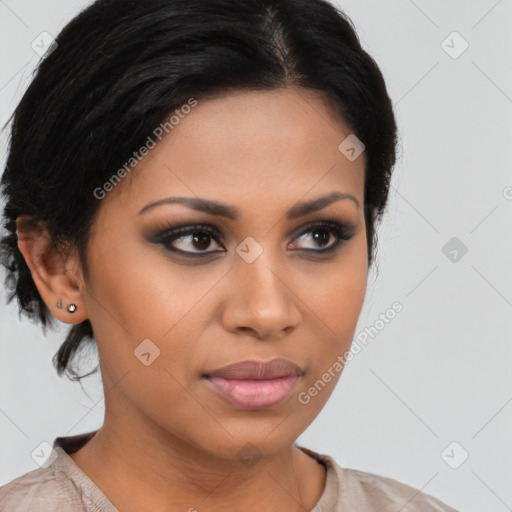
{"x": 378, "y": 492}
{"x": 42, "y": 489}
{"x": 351, "y": 489}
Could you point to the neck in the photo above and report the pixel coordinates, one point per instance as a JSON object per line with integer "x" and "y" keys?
{"x": 141, "y": 468}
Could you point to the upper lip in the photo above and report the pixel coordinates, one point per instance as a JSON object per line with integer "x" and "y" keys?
{"x": 258, "y": 370}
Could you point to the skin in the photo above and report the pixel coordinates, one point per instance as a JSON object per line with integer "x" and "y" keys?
{"x": 168, "y": 441}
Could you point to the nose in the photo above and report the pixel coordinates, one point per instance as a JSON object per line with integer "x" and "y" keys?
{"x": 262, "y": 301}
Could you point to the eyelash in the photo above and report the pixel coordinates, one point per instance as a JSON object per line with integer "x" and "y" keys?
{"x": 342, "y": 231}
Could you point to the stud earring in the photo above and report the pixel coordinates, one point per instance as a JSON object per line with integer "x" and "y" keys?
{"x": 71, "y": 307}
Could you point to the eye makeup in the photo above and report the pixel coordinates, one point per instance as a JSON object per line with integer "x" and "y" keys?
{"x": 167, "y": 234}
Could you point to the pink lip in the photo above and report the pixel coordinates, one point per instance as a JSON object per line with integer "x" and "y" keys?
{"x": 273, "y": 369}
{"x": 255, "y": 384}
{"x": 253, "y": 394}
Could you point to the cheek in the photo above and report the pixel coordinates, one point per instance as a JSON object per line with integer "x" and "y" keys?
{"x": 346, "y": 304}
{"x": 353, "y": 275}
{"x": 139, "y": 295}
{"x": 333, "y": 323}
{"x": 142, "y": 292}
{"x": 337, "y": 313}
{"x": 335, "y": 301}
{"x": 335, "y": 293}
{"x": 139, "y": 316}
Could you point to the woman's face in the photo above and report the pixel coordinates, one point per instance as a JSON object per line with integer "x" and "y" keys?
{"x": 261, "y": 285}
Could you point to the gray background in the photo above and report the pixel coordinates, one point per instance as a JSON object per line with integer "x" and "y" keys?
{"x": 440, "y": 370}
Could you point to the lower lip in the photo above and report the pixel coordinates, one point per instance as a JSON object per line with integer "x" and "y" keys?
{"x": 253, "y": 394}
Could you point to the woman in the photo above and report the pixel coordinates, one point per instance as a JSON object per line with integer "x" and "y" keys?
{"x": 171, "y": 169}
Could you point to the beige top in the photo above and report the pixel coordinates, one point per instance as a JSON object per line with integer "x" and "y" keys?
{"x": 64, "y": 487}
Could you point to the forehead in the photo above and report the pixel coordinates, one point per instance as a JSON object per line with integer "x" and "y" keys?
{"x": 249, "y": 146}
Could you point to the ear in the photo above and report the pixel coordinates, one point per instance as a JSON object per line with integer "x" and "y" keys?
{"x": 56, "y": 272}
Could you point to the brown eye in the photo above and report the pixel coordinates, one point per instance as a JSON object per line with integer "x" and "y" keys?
{"x": 190, "y": 239}
{"x": 321, "y": 236}
{"x": 197, "y": 240}
{"x": 322, "y": 233}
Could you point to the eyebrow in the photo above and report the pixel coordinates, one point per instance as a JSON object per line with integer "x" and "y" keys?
{"x": 223, "y": 210}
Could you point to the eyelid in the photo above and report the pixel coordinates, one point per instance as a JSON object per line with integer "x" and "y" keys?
{"x": 170, "y": 233}
{"x": 343, "y": 231}
{"x": 165, "y": 227}
{"x": 331, "y": 221}
{"x": 167, "y": 233}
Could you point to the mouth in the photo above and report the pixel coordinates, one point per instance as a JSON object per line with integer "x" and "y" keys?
{"x": 253, "y": 385}
{"x": 253, "y": 394}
